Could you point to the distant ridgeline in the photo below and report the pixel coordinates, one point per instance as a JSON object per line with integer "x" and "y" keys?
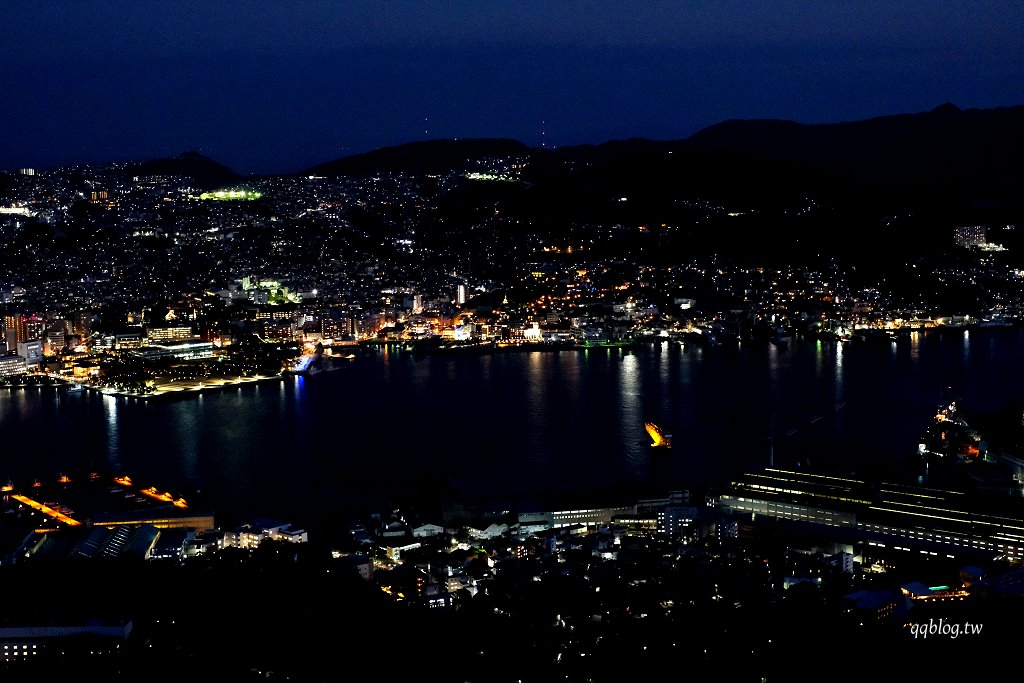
{"x": 204, "y": 171}
{"x": 973, "y": 154}
{"x": 873, "y": 191}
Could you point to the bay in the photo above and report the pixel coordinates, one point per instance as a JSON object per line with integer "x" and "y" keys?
{"x": 519, "y": 430}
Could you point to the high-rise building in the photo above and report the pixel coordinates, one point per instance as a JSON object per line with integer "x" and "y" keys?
{"x": 14, "y": 331}
{"x": 83, "y": 323}
{"x": 54, "y": 339}
{"x": 460, "y": 295}
{"x": 35, "y": 325}
{"x": 24, "y": 328}
{"x": 8, "y": 336}
{"x": 21, "y": 328}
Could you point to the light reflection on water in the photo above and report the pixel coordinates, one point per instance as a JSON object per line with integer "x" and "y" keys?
{"x": 110, "y": 410}
{"x": 515, "y": 424}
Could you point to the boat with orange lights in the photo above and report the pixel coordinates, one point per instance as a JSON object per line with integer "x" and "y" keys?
{"x": 659, "y": 438}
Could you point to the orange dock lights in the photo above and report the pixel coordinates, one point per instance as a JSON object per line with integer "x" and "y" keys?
{"x": 46, "y": 510}
{"x": 152, "y": 492}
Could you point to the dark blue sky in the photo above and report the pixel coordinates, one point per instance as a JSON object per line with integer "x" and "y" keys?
{"x": 276, "y": 86}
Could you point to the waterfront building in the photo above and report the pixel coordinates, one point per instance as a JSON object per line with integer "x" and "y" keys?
{"x": 136, "y": 540}
{"x": 903, "y": 517}
{"x": 533, "y": 522}
{"x": 12, "y": 365}
{"x": 182, "y": 350}
{"x": 95, "y": 503}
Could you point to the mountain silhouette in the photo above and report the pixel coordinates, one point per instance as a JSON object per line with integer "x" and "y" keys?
{"x": 971, "y": 153}
{"x": 947, "y": 155}
{"x": 204, "y": 171}
{"x": 430, "y": 156}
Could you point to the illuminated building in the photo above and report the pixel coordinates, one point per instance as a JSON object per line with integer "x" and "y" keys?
{"x": 12, "y": 365}
{"x": 259, "y": 296}
{"x": 885, "y": 515}
{"x": 182, "y": 350}
{"x": 54, "y": 340}
{"x": 33, "y": 327}
{"x": 129, "y": 340}
{"x": 970, "y": 235}
{"x": 333, "y": 329}
{"x": 537, "y": 521}
{"x": 84, "y": 370}
{"x": 169, "y": 333}
{"x": 14, "y": 331}
{"x": 166, "y": 517}
{"x": 250, "y": 536}
{"x": 21, "y": 328}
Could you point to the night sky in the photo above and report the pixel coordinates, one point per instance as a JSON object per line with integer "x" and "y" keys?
{"x": 277, "y": 86}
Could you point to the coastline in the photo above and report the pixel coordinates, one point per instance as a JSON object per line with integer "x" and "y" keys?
{"x": 203, "y": 388}
{"x": 429, "y": 348}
